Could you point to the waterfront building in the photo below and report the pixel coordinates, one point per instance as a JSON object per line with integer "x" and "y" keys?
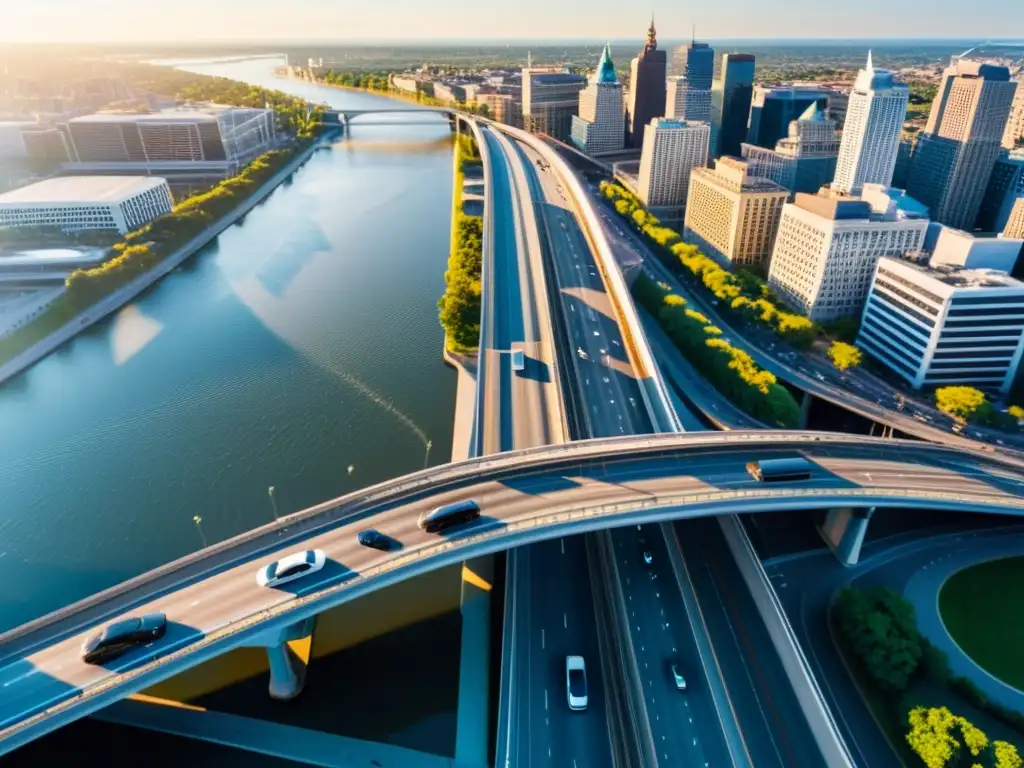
{"x": 1005, "y": 186}
{"x": 1013, "y": 136}
{"x": 871, "y": 136}
{"x": 683, "y": 101}
{"x": 805, "y": 160}
{"x": 733, "y": 216}
{"x": 672, "y": 149}
{"x": 600, "y": 126}
{"x": 730, "y": 103}
{"x": 503, "y": 107}
{"x": 646, "y": 88}
{"x": 773, "y": 108}
{"x": 77, "y": 203}
{"x": 550, "y": 99}
{"x": 827, "y": 247}
{"x": 944, "y": 326}
{"x": 957, "y": 150}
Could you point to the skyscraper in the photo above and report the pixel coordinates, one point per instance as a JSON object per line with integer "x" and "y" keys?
{"x": 646, "y": 88}
{"x": 1013, "y": 136}
{"x": 695, "y": 63}
{"x": 550, "y": 99}
{"x": 1005, "y": 186}
{"x": 772, "y": 109}
{"x": 600, "y": 125}
{"x": 685, "y": 102}
{"x": 802, "y": 162}
{"x": 960, "y": 144}
{"x": 1015, "y": 224}
{"x": 871, "y": 136}
{"x": 672, "y": 148}
{"x": 730, "y": 103}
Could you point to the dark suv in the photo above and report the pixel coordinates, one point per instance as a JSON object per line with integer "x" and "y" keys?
{"x": 122, "y": 636}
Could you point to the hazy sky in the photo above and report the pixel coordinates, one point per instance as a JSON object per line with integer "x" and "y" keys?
{"x": 181, "y": 20}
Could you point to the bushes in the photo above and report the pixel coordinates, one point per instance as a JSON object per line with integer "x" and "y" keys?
{"x": 943, "y": 740}
{"x": 880, "y": 627}
{"x": 732, "y": 371}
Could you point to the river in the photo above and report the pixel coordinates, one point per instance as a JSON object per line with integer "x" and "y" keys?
{"x": 300, "y": 350}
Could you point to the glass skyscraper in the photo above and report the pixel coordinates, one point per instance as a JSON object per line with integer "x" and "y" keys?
{"x": 730, "y": 103}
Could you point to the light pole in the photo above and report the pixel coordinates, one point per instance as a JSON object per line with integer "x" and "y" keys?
{"x": 199, "y": 524}
{"x": 426, "y": 456}
{"x": 273, "y": 502}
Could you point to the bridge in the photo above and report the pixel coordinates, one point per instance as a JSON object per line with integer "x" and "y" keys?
{"x": 213, "y": 603}
{"x": 345, "y": 117}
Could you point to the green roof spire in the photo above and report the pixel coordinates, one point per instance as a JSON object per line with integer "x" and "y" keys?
{"x": 605, "y": 68}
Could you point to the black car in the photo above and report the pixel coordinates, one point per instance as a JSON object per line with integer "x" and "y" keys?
{"x": 377, "y": 540}
{"x": 122, "y": 636}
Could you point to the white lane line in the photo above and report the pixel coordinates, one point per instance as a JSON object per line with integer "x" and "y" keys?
{"x": 565, "y": 621}
{"x": 545, "y": 699}
{"x": 563, "y": 545}
{"x": 542, "y": 639}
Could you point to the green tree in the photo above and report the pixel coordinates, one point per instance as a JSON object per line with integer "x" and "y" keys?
{"x": 964, "y": 403}
{"x": 881, "y": 628}
{"x": 844, "y": 356}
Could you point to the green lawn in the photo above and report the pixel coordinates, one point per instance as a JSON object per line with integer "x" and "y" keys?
{"x": 981, "y": 607}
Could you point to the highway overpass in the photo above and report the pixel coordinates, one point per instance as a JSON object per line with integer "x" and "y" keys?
{"x": 213, "y": 603}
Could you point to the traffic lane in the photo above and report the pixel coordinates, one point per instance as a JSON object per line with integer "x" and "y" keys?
{"x": 759, "y": 687}
{"x": 685, "y": 724}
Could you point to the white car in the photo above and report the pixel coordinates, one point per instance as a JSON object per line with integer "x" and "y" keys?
{"x": 576, "y": 682}
{"x": 290, "y": 568}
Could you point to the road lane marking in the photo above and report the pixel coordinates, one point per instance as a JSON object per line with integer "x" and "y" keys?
{"x": 565, "y": 620}
{"x": 542, "y": 644}
{"x": 545, "y": 699}
{"x": 563, "y": 545}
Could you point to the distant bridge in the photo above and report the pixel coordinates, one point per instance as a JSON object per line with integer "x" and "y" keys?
{"x": 430, "y": 114}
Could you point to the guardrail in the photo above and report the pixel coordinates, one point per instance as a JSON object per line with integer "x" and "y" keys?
{"x": 476, "y": 446}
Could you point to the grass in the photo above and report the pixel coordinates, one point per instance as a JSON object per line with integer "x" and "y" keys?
{"x": 981, "y": 608}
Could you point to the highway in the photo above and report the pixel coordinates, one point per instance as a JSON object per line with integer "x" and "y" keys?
{"x": 526, "y": 496}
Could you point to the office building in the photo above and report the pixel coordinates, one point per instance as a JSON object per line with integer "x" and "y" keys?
{"x": 957, "y": 150}
{"x": 600, "y": 126}
{"x": 904, "y": 158}
{"x": 695, "y": 63}
{"x": 77, "y": 203}
{"x": 827, "y": 247}
{"x": 871, "y": 136}
{"x": 773, "y": 108}
{"x": 805, "y": 160}
{"x": 1013, "y": 136}
{"x": 672, "y": 149}
{"x": 733, "y": 216}
{"x": 646, "y": 88}
{"x": 947, "y": 326}
{"x": 1015, "y": 223}
{"x": 955, "y": 248}
{"x": 503, "y": 107}
{"x": 685, "y": 102}
{"x": 730, "y": 103}
{"x": 1005, "y": 185}
{"x": 551, "y": 97}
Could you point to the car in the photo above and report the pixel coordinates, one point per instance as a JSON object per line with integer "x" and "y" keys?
{"x": 647, "y": 557}
{"x": 582, "y": 353}
{"x": 442, "y": 518}
{"x": 677, "y": 678}
{"x": 376, "y": 540}
{"x": 576, "y": 682}
{"x": 121, "y": 636}
{"x": 290, "y": 568}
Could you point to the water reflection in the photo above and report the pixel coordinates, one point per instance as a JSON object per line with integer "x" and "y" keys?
{"x": 132, "y": 331}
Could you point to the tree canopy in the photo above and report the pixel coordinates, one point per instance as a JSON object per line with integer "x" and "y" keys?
{"x": 844, "y": 356}
{"x": 964, "y": 403}
{"x": 881, "y": 628}
{"x": 944, "y": 740}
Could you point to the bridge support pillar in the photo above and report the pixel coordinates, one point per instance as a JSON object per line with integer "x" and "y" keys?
{"x": 805, "y": 410}
{"x": 288, "y": 654}
{"x": 844, "y": 530}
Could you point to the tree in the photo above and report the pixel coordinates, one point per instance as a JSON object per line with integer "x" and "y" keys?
{"x": 844, "y": 356}
{"x": 1016, "y": 412}
{"x": 962, "y": 403}
{"x": 943, "y": 739}
{"x": 881, "y": 627}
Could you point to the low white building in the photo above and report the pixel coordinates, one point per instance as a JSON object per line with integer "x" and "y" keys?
{"x": 938, "y": 327}
{"x": 77, "y": 203}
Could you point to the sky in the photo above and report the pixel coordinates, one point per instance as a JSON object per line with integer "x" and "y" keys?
{"x": 148, "y": 21}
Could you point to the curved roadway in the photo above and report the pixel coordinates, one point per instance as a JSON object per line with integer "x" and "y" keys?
{"x": 526, "y": 496}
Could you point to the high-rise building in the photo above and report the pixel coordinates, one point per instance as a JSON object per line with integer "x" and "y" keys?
{"x": 732, "y": 215}
{"x": 773, "y": 108}
{"x": 805, "y": 160}
{"x": 686, "y": 102}
{"x": 694, "y": 62}
{"x": 550, "y": 99}
{"x": 730, "y": 103}
{"x": 1005, "y": 185}
{"x": 672, "y": 149}
{"x": 937, "y": 327}
{"x": 827, "y": 248}
{"x": 960, "y": 144}
{"x": 1015, "y": 223}
{"x": 904, "y": 158}
{"x": 1013, "y": 136}
{"x": 646, "y": 88}
{"x": 871, "y": 136}
{"x": 600, "y": 126}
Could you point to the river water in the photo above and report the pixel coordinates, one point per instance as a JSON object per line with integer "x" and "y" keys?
{"x": 300, "y": 350}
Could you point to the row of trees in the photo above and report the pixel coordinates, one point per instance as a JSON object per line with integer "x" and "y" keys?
{"x": 380, "y": 82}
{"x": 732, "y": 371}
{"x": 970, "y": 404}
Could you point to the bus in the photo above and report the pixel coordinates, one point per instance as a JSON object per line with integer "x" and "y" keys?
{"x": 780, "y": 470}
{"x": 439, "y": 519}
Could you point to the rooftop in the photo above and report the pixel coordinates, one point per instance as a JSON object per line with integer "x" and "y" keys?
{"x": 965, "y": 279}
{"x": 204, "y": 113}
{"x": 81, "y": 189}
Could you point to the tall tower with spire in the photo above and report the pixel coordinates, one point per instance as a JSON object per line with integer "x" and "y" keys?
{"x": 646, "y": 87}
{"x": 871, "y": 134}
{"x": 599, "y": 127}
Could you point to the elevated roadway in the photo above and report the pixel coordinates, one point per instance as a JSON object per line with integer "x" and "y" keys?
{"x": 527, "y": 496}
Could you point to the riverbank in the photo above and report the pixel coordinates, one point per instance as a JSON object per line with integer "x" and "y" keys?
{"x": 465, "y": 401}
{"x": 118, "y": 298}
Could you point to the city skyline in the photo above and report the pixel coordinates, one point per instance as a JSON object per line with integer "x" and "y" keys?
{"x": 258, "y": 21}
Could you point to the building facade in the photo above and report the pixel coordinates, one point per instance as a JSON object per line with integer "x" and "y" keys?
{"x": 827, "y": 248}
{"x": 686, "y": 102}
{"x": 1015, "y": 223}
{"x": 875, "y": 115}
{"x": 672, "y": 149}
{"x": 646, "y": 88}
{"x": 695, "y": 63}
{"x": 730, "y": 103}
{"x": 773, "y": 108}
{"x": 1005, "y": 185}
{"x": 733, "y": 216}
{"x": 1013, "y": 136}
{"x": 550, "y": 99}
{"x": 78, "y": 203}
{"x": 805, "y": 160}
{"x": 957, "y": 150}
{"x": 600, "y": 126}
{"x": 944, "y": 327}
